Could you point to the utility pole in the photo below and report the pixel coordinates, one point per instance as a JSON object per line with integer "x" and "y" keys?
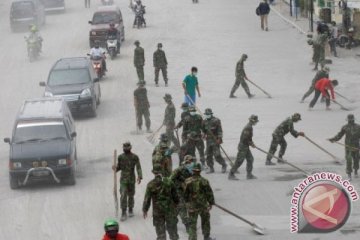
{"x": 311, "y": 19}
{"x": 291, "y": 8}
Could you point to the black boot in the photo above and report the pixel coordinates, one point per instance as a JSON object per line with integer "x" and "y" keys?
{"x": 131, "y": 213}
{"x": 250, "y": 176}
{"x": 356, "y": 173}
{"x": 269, "y": 163}
{"x": 123, "y": 215}
{"x": 232, "y": 176}
{"x": 223, "y": 169}
{"x": 211, "y": 170}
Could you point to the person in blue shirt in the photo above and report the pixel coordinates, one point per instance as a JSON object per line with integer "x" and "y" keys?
{"x": 191, "y": 85}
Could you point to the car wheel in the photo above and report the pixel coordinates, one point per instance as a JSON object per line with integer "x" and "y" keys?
{"x": 71, "y": 179}
{"x": 14, "y": 183}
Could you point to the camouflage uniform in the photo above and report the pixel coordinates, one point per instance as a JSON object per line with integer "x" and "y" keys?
{"x": 169, "y": 121}
{"x": 213, "y": 134}
{"x": 240, "y": 77}
{"x": 319, "y": 50}
{"x": 142, "y": 106}
{"x": 178, "y": 176}
{"x": 126, "y": 164}
{"x": 199, "y": 198}
{"x": 139, "y": 62}
{"x": 352, "y": 137}
{"x": 323, "y": 73}
{"x": 278, "y": 137}
{"x": 188, "y": 147}
{"x": 162, "y": 193}
{"x": 184, "y": 114}
{"x": 162, "y": 157}
{"x": 160, "y": 63}
{"x": 194, "y": 124}
{"x": 244, "y": 150}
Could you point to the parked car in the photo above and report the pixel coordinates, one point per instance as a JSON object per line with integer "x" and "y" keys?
{"x": 43, "y": 143}
{"x": 100, "y": 24}
{"x": 75, "y": 80}
{"x": 24, "y": 13}
{"x": 54, "y": 5}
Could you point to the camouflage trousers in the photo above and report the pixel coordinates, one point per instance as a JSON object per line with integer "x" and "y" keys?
{"x": 140, "y": 72}
{"x": 309, "y": 91}
{"x": 277, "y": 140}
{"x": 243, "y": 153}
{"x": 171, "y": 136}
{"x": 166, "y": 222}
{"x": 240, "y": 81}
{"x": 164, "y": 73}
{"x": 182, "y": 211}
{"x": 189, "y": 149}
{"x": 319, "y": 57}
{"x": 127, "y": 192}
{"x": 205, "y": 223}
{"x": 140, "y": 113}
{"x": 352, "y": 161}
{"x": 213, "y": 151}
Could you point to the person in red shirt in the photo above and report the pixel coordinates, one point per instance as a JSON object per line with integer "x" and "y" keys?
{"x": 112, "y": 231}
{"x": 321, "y": 88}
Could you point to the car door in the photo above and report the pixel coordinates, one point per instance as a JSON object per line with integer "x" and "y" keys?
{"x": 69, "y": 123}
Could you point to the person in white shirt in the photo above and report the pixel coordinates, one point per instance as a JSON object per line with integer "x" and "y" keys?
{"x": 97, "y": 51}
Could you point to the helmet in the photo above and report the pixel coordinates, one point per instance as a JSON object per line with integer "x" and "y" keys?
{"x": 351, "y": 117}
{"x": 253, "y": 118}
{"x": 159, "y": 45}
{"x": 33, "y": 28}
{"x": 157, "y": 169}
{"x": 208, "y": 111}
{"x": 296, "y": 116}
{"x": 184, "y": 105}
{"x": 167, "y": 97}
{"x": 111, "y": 225}
{"x": 137, "y": 42}
{"x": 188, "y": 158}
{"x": 197, "y": 167}
{"x": 163, "y": 137}
{"x": 127, "y": 146}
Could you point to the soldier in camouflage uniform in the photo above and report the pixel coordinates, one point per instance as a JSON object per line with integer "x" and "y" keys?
{"x": 184, "y": 114}
{"x": 162, "y": 156}
{"x": 195, "y": 125}
{"x": 352, "y": 137}
{"x": 241, "y": 78}
{"x": 127, "y": 162}
{"x": 244, "y": 150}
{"x": 278, "y": 137}
{"x": 178, "y": 176}
{"x": 323, "y": 73}
{"x": 142, "y": 106}
{"x": 188, "y": 146}
{"x": 162, "y": 193}
{"x": 199, "y": 199}
{"x": 169, "y": 120}
{"x": 319, "y": 50}
{"x": 160, "y": 63}
{"x": 139, "y": 61}
{"x": 213, "y": 135}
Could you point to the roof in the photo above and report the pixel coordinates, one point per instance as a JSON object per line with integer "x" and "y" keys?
{"x": 14, "y": 1}
{"x": 107, "y": 8}
{"x": 75, "y": 62}
{"x": 42, "y": 108}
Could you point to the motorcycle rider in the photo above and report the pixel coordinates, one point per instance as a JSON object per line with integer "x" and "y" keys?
{"x": 97, "y": 51}
{"x": 114, "y": 32}
{"x": 35, "y": 35}
{"x": 139, "y": 9}
{"x": 111, "y": 228}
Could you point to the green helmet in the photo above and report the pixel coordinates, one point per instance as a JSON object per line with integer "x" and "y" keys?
{"x": 253, "y": 118}
{"x": 197, "y": 167}
{"x": 296, "y": 117}
{"x": 111, "y": 225}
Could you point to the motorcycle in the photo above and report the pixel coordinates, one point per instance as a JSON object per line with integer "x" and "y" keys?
{"x": 97, "y": 65}
{"x": 107, "y": 2}
{"x": 348, "y": 40}
{"x": 139, "y": 18}
{"x": 112, "y": 46}
{"x": 32, "y": 48}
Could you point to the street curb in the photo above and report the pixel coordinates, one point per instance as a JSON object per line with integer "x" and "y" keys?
{"x": 288, "y": 21}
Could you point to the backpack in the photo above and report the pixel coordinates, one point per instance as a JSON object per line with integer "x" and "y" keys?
{"x": 257, "y": 11}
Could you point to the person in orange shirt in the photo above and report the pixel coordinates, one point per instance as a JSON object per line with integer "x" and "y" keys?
{"x": 321, "y": 88}
{"x": 112, "y": 231}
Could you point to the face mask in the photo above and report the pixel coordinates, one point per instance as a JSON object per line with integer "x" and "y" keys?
{"x": 192, "y": 113}
{"x": 207, "y": 116}
{"x": 190, "y": 167}
{"x": 194, "y": 73}
{"x": 127, "y": 150}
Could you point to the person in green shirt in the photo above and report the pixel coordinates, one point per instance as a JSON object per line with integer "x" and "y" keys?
{"x": 191, "y": 85}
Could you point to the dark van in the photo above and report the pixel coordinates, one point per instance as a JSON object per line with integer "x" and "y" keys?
{"x": 24, "y": 13}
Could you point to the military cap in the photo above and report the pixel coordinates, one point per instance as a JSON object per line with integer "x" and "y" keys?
{"x": 126, "y": 145}
{"x": 208, "y": 111}
{"x": 350, "y": 117}
{"x": 137, "y": 42}
{"x": 167, "y": 96}
{"x": 159, "y": 45}
{"x": 197, "y": 167}
{"x": 296, "y": 116}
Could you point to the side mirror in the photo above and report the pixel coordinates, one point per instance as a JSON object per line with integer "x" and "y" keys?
{"x": 42, "y": 84}
{"x": 73, "y": 134}
{"x": 90, "y": 22}
{"x": 7, "y": 140}
{"x": 96, "y": 79}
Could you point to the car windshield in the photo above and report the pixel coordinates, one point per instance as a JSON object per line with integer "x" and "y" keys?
{"x": 22, "y": 9}
{"x": 68, "y": 77}
{"x": 39, "y": 131}
{"x": 105, "y": 17}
